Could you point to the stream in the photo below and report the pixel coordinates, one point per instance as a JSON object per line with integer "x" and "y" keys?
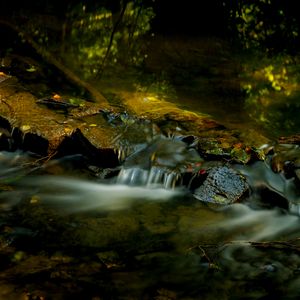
{"x": 68, "y": 232}
{"x": 157, "y": 226}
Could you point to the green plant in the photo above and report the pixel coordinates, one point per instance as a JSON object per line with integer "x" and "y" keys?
{"x": 101, "y": 42}
{"x": 264, "y": 24}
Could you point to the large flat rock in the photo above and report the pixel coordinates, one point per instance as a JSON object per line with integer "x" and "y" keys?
{"x": 37, "y": 128}
{"x": 99, "y": 133}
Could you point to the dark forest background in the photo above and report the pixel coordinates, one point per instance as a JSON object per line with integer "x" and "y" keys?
{"x": 172, "y": 16}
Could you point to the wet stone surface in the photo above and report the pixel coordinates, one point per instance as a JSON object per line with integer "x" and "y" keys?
{"x": 223, "y": 185}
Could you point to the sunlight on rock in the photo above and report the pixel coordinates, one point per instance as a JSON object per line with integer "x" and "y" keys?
{"x": 154, "y": 108}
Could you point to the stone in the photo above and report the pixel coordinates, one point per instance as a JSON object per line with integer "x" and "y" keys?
{"x": 223, "y": 185}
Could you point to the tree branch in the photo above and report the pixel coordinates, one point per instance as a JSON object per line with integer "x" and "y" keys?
{"x": 97, "y": 96}
{"x": 121, "y": 15}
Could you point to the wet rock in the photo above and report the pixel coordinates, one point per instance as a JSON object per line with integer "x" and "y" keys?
{"x": 77, "y": 142}
{"x": 164, "y": 152}
{"x": 162, "y": 161}
{"x": 270, "y": 189}
{"x": 106, "y": 136}
{"x": 33, "y": 127}
{"x": 230, "y": 145}
{"x": 223, "y": 185}
{"x": 286, "y": 159}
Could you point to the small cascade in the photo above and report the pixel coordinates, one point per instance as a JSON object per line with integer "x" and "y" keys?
{"x": 156, "y": 176}
{"x": 133, "y": 176}
{"x": 159, "y": 163}
{"x": 171, "y": 180}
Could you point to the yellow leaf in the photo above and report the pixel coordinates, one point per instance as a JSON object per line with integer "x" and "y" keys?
{"x": 25, "y": 127}
{"x": 270, "y": 77}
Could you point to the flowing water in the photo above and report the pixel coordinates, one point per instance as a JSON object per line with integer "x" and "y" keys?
{"x": 141, "y": 234}
{"x": 68, "y": 233}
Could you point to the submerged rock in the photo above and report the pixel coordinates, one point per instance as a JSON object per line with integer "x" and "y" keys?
{"x": 223, "y": 185}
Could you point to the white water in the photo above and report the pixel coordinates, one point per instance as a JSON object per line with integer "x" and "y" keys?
{"x": 260, "y": 175}
{"x": 154, "y": 176}
{"x": 240, "y": 221}
{"x": 160, "y": 163}
{"x": 258, "y": 225}
{"x": 77, "y": 195}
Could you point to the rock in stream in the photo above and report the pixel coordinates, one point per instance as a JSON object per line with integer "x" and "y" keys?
{"x": 223, "y": 185}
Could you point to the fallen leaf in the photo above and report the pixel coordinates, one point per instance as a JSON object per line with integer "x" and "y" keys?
{"x": 56, "y": 97}
{"x": 25, "y": 127}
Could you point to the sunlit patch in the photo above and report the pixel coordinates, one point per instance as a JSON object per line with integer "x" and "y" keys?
{"x": 25, "y": 127}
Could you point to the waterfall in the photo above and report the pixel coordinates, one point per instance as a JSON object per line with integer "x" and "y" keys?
{"x": 155, "y": 176}
{"x": 159, "y": 163}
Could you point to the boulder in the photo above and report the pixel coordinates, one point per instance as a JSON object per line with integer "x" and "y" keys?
{"x": 223, "y": 185}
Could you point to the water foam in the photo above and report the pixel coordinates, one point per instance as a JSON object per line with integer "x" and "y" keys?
{"x": 154, "y": 176}
{"x": 257, "y": 225}
{"x": 76, "y": 195}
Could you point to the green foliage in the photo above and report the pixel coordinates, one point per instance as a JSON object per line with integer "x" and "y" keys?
{"x": 271, "y": 81}
{"x": 91, "y": 37}
{"x": 271, "y": 87}
{"x": 93, "y": 33}
{"x": 264, "y": 24}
